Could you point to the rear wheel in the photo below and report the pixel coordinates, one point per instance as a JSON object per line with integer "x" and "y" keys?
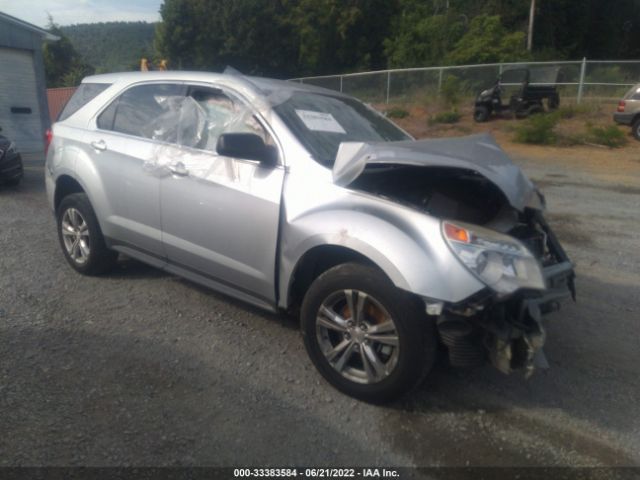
{"x": 635, "y": 129}
{"x": 80, "y": 236}
{"x": 366, "y": 337}
{"x": 535, "y": 109}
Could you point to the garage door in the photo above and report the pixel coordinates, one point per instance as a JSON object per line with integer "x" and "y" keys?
{"x": 19, "y": 112}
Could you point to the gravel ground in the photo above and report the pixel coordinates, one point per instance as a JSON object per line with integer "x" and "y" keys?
{"x": 142, "y": 368}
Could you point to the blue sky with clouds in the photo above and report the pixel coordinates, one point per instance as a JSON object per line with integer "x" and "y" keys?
{"x": 67, "y": 12}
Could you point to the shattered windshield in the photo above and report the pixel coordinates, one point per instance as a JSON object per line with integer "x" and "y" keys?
{"x": 322, "y": 122}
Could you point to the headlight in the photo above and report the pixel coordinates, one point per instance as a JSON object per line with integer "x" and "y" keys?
{"x": 500, "y": 261}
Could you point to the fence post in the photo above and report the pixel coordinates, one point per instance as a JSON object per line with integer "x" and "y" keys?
{"x": 440, "y": 72}
{"x": 341, "y": 83}
{"x": 583, "y": 69}
{"x": 388, "y": 85}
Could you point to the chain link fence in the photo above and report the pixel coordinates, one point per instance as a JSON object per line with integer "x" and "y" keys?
{"x": 583, "y": 80}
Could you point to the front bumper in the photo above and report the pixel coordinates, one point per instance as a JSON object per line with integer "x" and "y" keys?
{"x": 11, "y": 167}
{"x": 508, "y": 330}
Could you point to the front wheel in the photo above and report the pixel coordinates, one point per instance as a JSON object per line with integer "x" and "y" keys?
{"x": 366, "y": 337}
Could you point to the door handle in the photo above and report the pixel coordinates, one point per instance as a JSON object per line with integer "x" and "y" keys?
{"x": 178, "y": 169}
{"x": 99, "y": 145}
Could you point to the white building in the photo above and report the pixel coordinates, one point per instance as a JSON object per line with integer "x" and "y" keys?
{"x": 24, "y": 115}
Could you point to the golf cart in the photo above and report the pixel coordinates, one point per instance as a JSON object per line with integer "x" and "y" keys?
{"x": 524, "y": 99}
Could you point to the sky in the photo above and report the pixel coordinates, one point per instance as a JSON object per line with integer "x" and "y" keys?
{"x": 67, "y": 12}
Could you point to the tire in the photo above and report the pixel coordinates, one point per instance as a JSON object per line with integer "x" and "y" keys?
{"x": 534, "y": 110}
{"x": 481, "y": 114}
{"x": 635, "y": 129}
{"x": 553, "y": 102}
{"x": 82, "y": 243}
{"x": 342, "y": 352}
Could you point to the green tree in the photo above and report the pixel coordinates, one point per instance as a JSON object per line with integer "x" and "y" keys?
{"x": 421, "y": 40}
{"x": 64, "y": 67}
{"x": 487, "y": 41}
{"x": 340, "y": 35}
{"x": 250, "y": 35}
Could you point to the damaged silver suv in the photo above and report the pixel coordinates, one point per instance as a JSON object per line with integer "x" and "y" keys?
{"x": 300, "y": 199}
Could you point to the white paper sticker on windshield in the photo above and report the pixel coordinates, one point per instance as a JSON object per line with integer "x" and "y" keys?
{"x": 320, "y": 122}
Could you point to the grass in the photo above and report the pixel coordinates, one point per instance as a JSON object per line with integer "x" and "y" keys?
{"x": 452, "y": 116}
{"x": 541, "y": 130}
{"x": 397, "y": 112}
{"x": 609, "y": 136}
{"x": 538, "y": 129}
{"x": 570, "y": 111}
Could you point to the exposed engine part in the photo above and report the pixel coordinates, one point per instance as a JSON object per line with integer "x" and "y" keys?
{"x": 442, "y": 192}
{"x": 463, "y": 342}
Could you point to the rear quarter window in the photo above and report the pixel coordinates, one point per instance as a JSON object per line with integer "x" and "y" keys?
{"x": 140, "y": 111}
{"x": 83, "y": 95}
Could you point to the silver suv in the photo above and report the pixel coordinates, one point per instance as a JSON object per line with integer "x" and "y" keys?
{"x": 300, "y": 199}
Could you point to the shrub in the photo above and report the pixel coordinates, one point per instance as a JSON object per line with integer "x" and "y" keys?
{"x": 609, "y": 136}
{"x": 450, "y": 91}
{"x": 397, "y": 112}
{"x": 445, "y": 117}
{"x": 538, "y": 129}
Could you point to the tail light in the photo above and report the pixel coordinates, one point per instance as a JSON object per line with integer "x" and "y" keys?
{"x": 48, "y": 136}
{"x": 621, "y": 105}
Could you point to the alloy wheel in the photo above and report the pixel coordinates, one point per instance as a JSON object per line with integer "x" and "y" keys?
{"x": 357, "y": 336}
{"x": 75, "y": 236}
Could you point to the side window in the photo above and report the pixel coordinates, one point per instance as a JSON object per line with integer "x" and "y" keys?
{"x": 83, "y": 95}
{"x": 223, "y": 114}
{"x": 142, "y": 111}
{"x": 105, "y": 120}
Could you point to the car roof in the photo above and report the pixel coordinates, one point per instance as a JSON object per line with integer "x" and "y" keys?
{"x": 263, "y": 85}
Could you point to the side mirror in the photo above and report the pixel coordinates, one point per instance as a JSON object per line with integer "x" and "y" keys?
{"x": 248, "y": 146}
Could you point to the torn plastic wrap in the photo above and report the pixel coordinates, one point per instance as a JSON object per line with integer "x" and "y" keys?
{"x": 479, "y": 153}
{"x": 188, "y": 132}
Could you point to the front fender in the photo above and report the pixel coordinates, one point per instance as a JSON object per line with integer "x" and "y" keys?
{"x": 407, "y": 245}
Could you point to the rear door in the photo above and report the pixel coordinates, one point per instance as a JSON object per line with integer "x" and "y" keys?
{"x": 125, "y": 149}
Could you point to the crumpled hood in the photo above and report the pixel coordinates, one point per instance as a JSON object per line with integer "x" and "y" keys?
{"x": 479, "y": 153}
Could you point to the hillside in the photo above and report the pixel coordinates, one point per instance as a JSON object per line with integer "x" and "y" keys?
{"x": 112, "y": 46}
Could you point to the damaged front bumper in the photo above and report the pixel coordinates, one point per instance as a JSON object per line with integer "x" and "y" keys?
{"x": 508, "y": 331}
{"x": 517, "y": 335}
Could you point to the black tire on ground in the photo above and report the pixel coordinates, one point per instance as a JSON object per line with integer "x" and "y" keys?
{"x": 99, "y": 258}
{"x": 534, "y": 110}
{"x": 553, "y": 102}
{"x": 481, "y": 114}
{"x": 635, "y": 129}
{"x": 416, "y": 332}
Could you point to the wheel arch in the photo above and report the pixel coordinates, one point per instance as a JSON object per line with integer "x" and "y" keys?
{"x": 314, "y": 262}
{"x": 65, "y": 185}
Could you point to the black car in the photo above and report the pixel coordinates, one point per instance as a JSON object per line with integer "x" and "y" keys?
{"x": 10, "y": 162}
